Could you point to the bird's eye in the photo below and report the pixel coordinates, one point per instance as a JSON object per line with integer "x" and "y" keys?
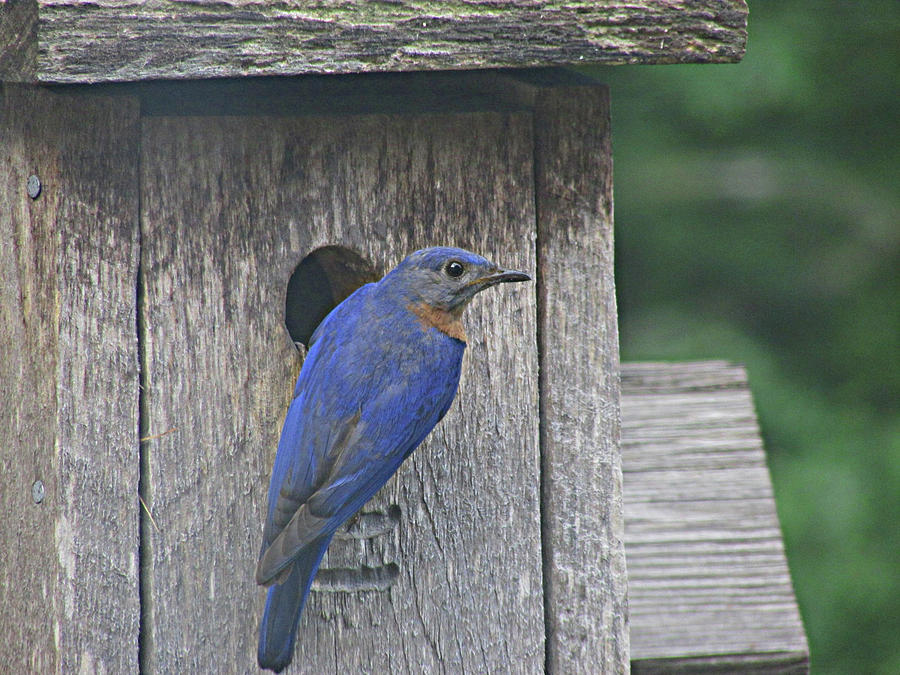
{"x": 454, "y": 269}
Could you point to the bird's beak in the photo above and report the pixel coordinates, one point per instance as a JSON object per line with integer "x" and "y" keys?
{"x": 499, "y": 277}
{"x": 509, "y": 275}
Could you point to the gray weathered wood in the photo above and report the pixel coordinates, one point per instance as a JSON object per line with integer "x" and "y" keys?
{"x": 443, "y": 573}
{"x": 709, "y": 587}
{"x": 70, "y": 41}
{"x": 68, "y": 384}
{"x": 584, "y": 559}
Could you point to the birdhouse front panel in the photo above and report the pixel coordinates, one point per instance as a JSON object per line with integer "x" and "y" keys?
{"x": 445, "y": 563}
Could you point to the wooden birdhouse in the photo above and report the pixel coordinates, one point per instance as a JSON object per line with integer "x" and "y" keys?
{"x": 186, "y": 189}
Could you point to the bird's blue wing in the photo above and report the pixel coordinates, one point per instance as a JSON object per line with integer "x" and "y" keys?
{"x": 360, "y": 407}
{"x": 313, "y": 417}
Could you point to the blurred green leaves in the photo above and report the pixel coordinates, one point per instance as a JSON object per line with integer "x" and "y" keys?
{"x": 758, "y": 220}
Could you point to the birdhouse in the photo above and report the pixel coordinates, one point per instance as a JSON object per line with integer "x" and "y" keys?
{"x": 187, "y": 189}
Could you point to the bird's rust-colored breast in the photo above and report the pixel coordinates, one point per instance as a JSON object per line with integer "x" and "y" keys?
{"x": 446, "y": 322}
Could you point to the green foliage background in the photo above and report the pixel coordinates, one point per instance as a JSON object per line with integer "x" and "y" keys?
{"x": 758, "y": 220}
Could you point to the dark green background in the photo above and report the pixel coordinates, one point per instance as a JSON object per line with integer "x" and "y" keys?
{"x": 758, "y": 220}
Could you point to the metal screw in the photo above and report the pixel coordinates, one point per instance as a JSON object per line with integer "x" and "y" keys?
{"x": 37, "y": 491}
{"x": 33, "y": 186}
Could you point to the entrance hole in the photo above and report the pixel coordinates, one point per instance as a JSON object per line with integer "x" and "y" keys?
{"x": 319, "y": 283}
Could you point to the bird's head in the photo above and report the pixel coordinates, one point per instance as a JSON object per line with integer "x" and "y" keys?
{"x": 448, "y": 278}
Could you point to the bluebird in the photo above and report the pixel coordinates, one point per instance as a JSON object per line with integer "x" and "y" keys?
{"x": 382, "y": 369}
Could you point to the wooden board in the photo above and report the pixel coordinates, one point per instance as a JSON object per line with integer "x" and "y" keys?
{"x": 709, "y": 587}
{"x": 584, "y": 559}
{"x": 68, "y": 384}
{"x": 71, "y": 41}
{"x": 444, "y": 575}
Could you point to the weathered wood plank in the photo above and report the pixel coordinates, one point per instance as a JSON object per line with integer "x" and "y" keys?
{"x": 444, "y": 573}
{"x": 709, "y": 587}
{"x": 18, "y": 41}
{"x": 71, "y": 41}
{"x": 68, "y": 384}
{"x": 581, "y": 493}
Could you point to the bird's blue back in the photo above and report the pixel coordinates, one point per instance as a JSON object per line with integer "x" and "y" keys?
{"x": 372, "y": 358}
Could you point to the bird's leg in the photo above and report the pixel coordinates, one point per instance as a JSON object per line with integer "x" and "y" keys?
{"x": 352, "y": 521}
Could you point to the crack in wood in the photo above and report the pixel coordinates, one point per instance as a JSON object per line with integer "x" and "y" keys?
{"x": 364, "y": 528}
{"x": 363, "y": 578}
{"x": 371, "y": 524}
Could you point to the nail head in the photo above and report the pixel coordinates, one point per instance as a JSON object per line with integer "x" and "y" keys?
{"x": 37, "y": 491}
{"x": 33, "y": 186}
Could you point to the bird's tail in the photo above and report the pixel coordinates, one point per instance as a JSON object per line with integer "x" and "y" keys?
{"x": 284, "y": 604}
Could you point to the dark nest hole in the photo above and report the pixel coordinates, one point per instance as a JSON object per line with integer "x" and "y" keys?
{"x": 319, "y": 283}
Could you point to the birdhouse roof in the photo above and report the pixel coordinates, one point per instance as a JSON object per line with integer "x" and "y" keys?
{"x": 72, "y": 41}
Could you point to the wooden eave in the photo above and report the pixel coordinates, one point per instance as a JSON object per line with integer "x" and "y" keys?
{"x": 72, "y": 41}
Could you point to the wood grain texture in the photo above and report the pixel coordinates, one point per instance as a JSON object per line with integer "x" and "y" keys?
{"x": 79, "y": 42}
{"x": 18, "y": 41}
{"x": 709, "y": 587}
{"x": 443, "y": 572}
{"x": 584, "y": 559}
{"x": 68, "y": 384}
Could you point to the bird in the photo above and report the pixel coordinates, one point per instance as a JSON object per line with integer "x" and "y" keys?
{"x": 382, "y": 369}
